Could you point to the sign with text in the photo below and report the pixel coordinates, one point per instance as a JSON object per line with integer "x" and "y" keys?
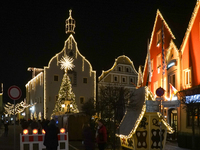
{"x": 175, "y": 103}
{"x": 152, "y": 106}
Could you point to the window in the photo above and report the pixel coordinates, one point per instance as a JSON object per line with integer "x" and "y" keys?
{"x": 196, "y": 112}
{"x": 115, "y": 79}
{"x": 119, "y": 68}
{"x": 82, "y": 100}
{"x": 172, "y": 80}
{"x": 84, "y": 80}
{"x": 187, "y": 77}
{"x": 158, "y": 62}
{"x": 55, "y": 77}
{"x": 158, "y": 38}
{"x": 155, "y": 86}
{"x": 127, "y": 69}
{"x": 152, "y": 65}
{"x": 124, "y": 79}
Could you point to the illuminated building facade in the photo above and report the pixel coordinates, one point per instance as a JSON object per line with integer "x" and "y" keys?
{"x": 43, "y": 88}
{"x": 181, "y": 66}
{"x": 162, "y": 42}
{"x": 190, "y": 72}
{"x": 122, "y": 73}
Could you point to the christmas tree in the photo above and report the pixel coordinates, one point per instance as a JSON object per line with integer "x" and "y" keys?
{"x": 65, "y": 93}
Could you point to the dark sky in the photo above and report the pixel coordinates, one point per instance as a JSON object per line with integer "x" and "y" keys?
{"x": 31, "y": 32}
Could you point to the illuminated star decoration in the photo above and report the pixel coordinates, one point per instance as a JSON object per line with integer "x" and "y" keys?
{"x": 66, "y": 63}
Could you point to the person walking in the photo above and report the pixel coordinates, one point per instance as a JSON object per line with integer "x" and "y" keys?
{"x": 88, "y": 137}
{"x": 51, "y": 136}
{"x": 6, "y": 128}
{"x": 101, "y": 135}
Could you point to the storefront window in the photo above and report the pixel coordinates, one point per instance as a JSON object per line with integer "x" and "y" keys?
{"x": 196, "y": 113}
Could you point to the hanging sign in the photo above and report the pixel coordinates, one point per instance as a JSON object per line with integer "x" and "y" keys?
{"x": 14, "y": 92}
{"x": 152, "y": 106}
{"x": 175, "y": 103}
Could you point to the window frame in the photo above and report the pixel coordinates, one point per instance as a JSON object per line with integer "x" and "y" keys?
{"x": 54, "y": 77}
{"x": 85, "y": 79}
{"x": 158, "y": 37}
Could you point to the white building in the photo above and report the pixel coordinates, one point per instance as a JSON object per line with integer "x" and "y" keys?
{"x": 43, "y": 88}
{"x": 122, "y": 73}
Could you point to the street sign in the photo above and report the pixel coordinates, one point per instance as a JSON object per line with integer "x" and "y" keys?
{"x": 152, "y": 106}
{"x": 160, "y": 91}
{"x": 14, "y": 92}
{"x": 159, "y": 98}
{"x": 175, "y": 103}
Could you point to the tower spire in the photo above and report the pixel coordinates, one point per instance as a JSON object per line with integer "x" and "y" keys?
{"x": 70, "y": 24}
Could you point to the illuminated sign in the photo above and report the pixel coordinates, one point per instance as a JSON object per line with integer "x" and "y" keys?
{"x": 171, "y": 63}
{"x": 193, "y": 99}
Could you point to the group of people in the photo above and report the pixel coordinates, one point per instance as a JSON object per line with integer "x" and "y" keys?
{"x": 51, "y": 132}
{"x": 100, "y": 137}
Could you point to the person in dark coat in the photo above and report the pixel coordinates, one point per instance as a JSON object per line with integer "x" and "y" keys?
{"x": 101, "y": 135}
{"x": 88, "y": 137}
{"x": 6, "y": 127}
{"x": 51, "y": 136}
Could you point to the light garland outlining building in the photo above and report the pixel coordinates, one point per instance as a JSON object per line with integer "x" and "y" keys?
{"x": 122, "y": 73}
{"x": 44, "y": 86}
{"x": 181, "y": 70}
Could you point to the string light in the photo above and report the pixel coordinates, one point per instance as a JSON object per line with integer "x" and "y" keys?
{"x": 10, "y": 109}
{"x": 67, "y": 63}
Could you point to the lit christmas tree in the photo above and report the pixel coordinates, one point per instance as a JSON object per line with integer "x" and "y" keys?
{"x": 65, "y": 93}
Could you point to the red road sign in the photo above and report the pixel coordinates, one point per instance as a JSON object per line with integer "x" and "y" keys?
{"x": 14, "y": 92}
{"x": 160, "y": 91}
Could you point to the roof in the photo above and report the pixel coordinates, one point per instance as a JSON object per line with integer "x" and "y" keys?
{"x": 120, "y": 60}
{"x": 134, "y": 115}
{"x": 178, "y": 19}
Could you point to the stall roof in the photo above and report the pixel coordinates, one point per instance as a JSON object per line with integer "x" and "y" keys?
{"x": 134, "y": 115}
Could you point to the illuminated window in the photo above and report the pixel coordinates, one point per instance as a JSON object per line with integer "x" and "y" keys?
{"x": 158, "y": 38}
{"x": 187, "y": 77}
{"x": 55, "y": 77}
{"x": 84, "y": 80}
{"x": 82, "y": 100}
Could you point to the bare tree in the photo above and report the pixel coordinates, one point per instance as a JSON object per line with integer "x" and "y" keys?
{"x": 112, "y": 103}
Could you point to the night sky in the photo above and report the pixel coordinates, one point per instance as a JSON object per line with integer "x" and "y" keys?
{"x": 32, "y": 32}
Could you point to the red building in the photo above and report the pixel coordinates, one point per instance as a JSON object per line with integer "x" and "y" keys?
{"x": 175, "y": 59}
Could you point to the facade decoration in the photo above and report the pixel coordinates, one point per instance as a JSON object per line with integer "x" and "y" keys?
{"x": 45, "y": 84}
{"x": 66, "y": 96}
